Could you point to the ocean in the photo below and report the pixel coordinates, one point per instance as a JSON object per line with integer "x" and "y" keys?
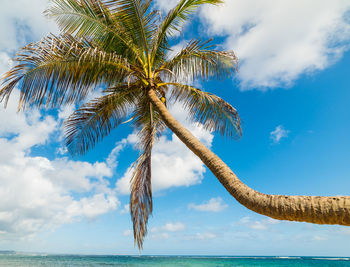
{"x": 23, "y": 260}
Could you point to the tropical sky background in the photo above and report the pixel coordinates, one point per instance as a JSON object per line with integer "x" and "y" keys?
{"x": 292, "y": 93}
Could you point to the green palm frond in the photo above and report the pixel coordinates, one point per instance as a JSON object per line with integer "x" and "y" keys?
{"x": 174, "y": 21}
{"x": 197, "y": 60}
{"x": 95, "y": 119}
{"x": 208, "y": 109}
{"x": 93, "y": 20}
{"x": 136, "y": 19}
{"x": 59, "y": 70}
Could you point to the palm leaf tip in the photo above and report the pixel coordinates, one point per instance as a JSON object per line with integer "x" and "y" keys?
{"x": 141, "y": 205}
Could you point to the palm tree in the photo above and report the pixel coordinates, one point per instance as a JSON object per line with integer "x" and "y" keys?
{"x": 122, "y": 46}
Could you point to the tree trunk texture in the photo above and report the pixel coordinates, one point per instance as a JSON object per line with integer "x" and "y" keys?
{"x": 312, "y": 209}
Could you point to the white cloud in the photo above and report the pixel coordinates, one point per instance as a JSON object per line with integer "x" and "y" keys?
{"x": 37, "y": 192}
{"x": 245, "y": 220}
{"x": 175, "y": 49}
{"x": 271, "y": 221}
{"x": 165, "y": 6}
{"x": 40, "y": 193}
{"x": 213, "y": 205}
{"x": 174, "y": 227}
{"x": 279, "y": 133}
{"x": 344, "y": 230}
{"x": 126, "y": 209}
{"x": 165, "y": 231}
{"x": 22, "y": 20}
{"x": 320, "y": 238}
{"x": 65, "y": 111}
{"x": 258, "y": 224}
{"x": 154, "y": 230}
{"x": 113, "y": 155}
{"x": 277, "y": 41}
{"x": 156, "y": 234}
{"x": 5, "y": 62}
{"x": 123, "y": 184}
{"x": 201, "y": 236}
{"x": 159, "y": 236}
{"x": 127, "y": 232}
{"x": 173, "y": 164}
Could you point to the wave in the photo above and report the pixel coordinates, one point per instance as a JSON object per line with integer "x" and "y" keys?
{"x": 240, "y": 257}
{"x": 288, "y": 257}
{"x": 332, "y": 259}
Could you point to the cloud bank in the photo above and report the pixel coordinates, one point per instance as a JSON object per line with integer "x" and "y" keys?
{"x": 39, "y": 193}
{"x": 277, "y": 41}
{"x": 22, "y": 21}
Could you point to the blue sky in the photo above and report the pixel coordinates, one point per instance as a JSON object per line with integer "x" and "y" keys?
{"x": 292, "y": 94}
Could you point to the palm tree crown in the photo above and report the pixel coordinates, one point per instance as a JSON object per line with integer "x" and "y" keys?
{"x": 122, "y": 46}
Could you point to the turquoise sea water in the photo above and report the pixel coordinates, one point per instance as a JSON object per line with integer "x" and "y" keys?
{"x": 155, "y": 261}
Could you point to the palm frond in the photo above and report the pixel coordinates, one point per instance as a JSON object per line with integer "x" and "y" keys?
{"x": 94, "y": 120}
{"x": 208, "y": 109}
{"x": 197, "y": 60}
{"x": 149, "y": 121}
{"x": 136, "y": 19}
{"x": 174, "y": 21}
{"x": 91, "y": 19}
{"x": 59, "y": 70}
{"x": 141, "y": 204}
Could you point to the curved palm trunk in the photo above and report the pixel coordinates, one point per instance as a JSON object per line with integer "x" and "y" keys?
{"x": 313, "y": 209}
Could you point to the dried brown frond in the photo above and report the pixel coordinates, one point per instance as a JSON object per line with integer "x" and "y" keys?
{"x": 141, "y": 204}
{"x": 151, "y": 124}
